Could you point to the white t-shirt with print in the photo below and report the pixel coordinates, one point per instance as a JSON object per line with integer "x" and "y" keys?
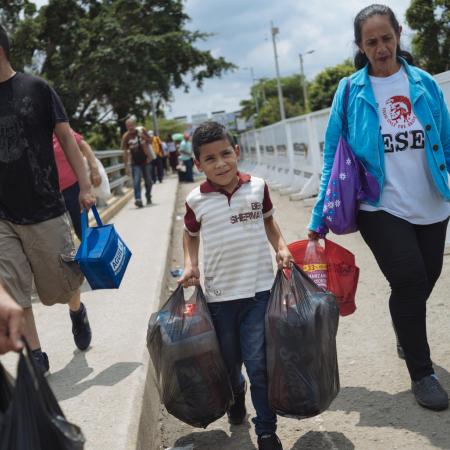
{"x": 409, "y": 191}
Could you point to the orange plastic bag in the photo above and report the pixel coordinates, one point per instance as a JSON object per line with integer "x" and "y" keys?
{"x": 342, "y": 275}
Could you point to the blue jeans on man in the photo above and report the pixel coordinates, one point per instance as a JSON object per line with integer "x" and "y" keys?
{"x": 240, "y": 328}
{"x": 140, "y": 171}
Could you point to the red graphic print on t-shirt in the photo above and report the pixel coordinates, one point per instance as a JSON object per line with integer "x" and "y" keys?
{"x": 398, "y": 112}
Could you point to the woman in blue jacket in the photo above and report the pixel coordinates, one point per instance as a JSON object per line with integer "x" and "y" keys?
{"x": 399, "y": 127}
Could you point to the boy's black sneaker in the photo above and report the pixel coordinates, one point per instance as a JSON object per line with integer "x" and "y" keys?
{"x": 430, "y": 394}
{"x": 41, "y": 360}
{"x": 81, "y": 329}
{"x": 269, "y": 442}
{"x": 237, "y": 411}
{"x": 139, "y": 203}
{"x": 149, "y": 200}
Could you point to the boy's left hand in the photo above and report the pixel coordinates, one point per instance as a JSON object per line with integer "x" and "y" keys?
{"x": 284, "y": 258}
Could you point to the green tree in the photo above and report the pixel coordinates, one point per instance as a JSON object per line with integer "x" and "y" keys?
{"x": 105, "y": 57}
{"x": 266, "y": 94}
{"x": 322, "y": 89}
{"x": 430, "y": 19}
{"x": 167, "y": 126}
{"x": 270, "y": 112}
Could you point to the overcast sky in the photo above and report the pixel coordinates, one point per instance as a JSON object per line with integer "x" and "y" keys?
{"x": 242, "y": 36}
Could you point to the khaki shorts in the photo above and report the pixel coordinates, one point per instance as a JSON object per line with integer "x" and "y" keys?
{"x": 44, "y": 251}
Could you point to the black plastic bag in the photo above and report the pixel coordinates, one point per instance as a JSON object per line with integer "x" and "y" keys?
{"x": 33, "y": 420}
{"x": 301, "y": 327}
{"x": 190, "y": 374}
{"x": 6, "y": 391}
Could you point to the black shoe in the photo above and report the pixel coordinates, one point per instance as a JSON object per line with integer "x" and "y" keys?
{"x": 41, "y": 360}
{"x": 237, "y": 411}
{"x": 269, "y": 442}
{"x": 81, "y": 329}
{"x": 429, "y": 393}
{"x": 149, "y": 200}
{"x": 400, "y": 351}
{"x": 139, "y": 203}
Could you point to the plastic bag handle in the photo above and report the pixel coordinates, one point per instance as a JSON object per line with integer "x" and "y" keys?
{"x": 198, "y": 290}
{"x": 85, "y": 226}
{"x": 282, "y": 271}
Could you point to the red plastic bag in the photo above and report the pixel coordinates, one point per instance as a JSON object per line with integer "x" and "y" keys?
{"x": 342, "y": 276}
{"x": 315, "y": 264}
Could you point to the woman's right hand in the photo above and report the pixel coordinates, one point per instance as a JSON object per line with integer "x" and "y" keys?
{"x": 313, "y": 235}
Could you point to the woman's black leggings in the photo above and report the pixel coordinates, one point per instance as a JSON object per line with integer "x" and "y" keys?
{"x": 410, "y": 257}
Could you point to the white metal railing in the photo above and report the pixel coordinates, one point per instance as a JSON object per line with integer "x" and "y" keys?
{"x": 288, "y": 154}
{"x": 112, "y": 160}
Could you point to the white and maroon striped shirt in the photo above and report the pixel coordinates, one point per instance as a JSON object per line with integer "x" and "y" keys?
{"x": 236, "y": 255}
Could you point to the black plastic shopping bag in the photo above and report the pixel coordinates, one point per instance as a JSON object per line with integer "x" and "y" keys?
{"x": 33, "y": 419}
{"x": 6, "y": 391}
{"x": 190, "y": 374}
{"x": 301, "y": 327}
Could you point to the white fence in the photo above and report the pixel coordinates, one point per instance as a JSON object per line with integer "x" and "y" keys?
{"x": 288, "y": 154}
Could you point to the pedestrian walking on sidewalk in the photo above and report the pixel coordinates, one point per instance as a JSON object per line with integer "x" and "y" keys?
{"x": 158, "y": 161}
{"x": 68, "y": 182}
{"x": 173, "y": 154}
{"x": 35, "y": 236}
{"x": 234, "y": 213}
{"x": 136, "y": 143}
{"x": 186, "y": 158}
{"x": 399, "y": 128}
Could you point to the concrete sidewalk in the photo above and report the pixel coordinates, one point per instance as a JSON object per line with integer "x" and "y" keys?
{"x": 101, "y": 390}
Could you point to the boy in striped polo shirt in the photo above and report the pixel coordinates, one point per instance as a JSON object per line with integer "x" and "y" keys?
{"x": 234, "y": 213}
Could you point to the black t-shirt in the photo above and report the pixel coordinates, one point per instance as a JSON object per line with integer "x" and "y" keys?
{"x": 29, "y": 187}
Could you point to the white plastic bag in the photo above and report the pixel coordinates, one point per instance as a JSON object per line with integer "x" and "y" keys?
{"x": 102, "y": 191}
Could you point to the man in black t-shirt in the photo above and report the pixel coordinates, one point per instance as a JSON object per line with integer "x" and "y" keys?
{"x": 136, "y": 144}
{"x": 35, "y": 236}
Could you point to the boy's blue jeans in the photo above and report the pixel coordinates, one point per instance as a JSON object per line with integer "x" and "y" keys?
{"x": 240, "y": 328}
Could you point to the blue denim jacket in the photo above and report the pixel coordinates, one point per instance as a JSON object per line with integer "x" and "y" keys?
{"x": 364, "y": 134}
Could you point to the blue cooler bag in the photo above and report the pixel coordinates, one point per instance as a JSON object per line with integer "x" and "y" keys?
{"x": 103, "y": 256}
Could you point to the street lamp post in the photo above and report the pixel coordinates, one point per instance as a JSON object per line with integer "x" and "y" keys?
{"x": 275, "y": 31}
{"x": 262, "y": 81}
{"x": 255, "y": 98}
{"x": 305, "y": 92}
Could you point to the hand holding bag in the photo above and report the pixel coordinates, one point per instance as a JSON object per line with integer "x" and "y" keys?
{"x": 103, "y": 190}
{"x": 103, "y": 256}
{"x": 350, "y": 182}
